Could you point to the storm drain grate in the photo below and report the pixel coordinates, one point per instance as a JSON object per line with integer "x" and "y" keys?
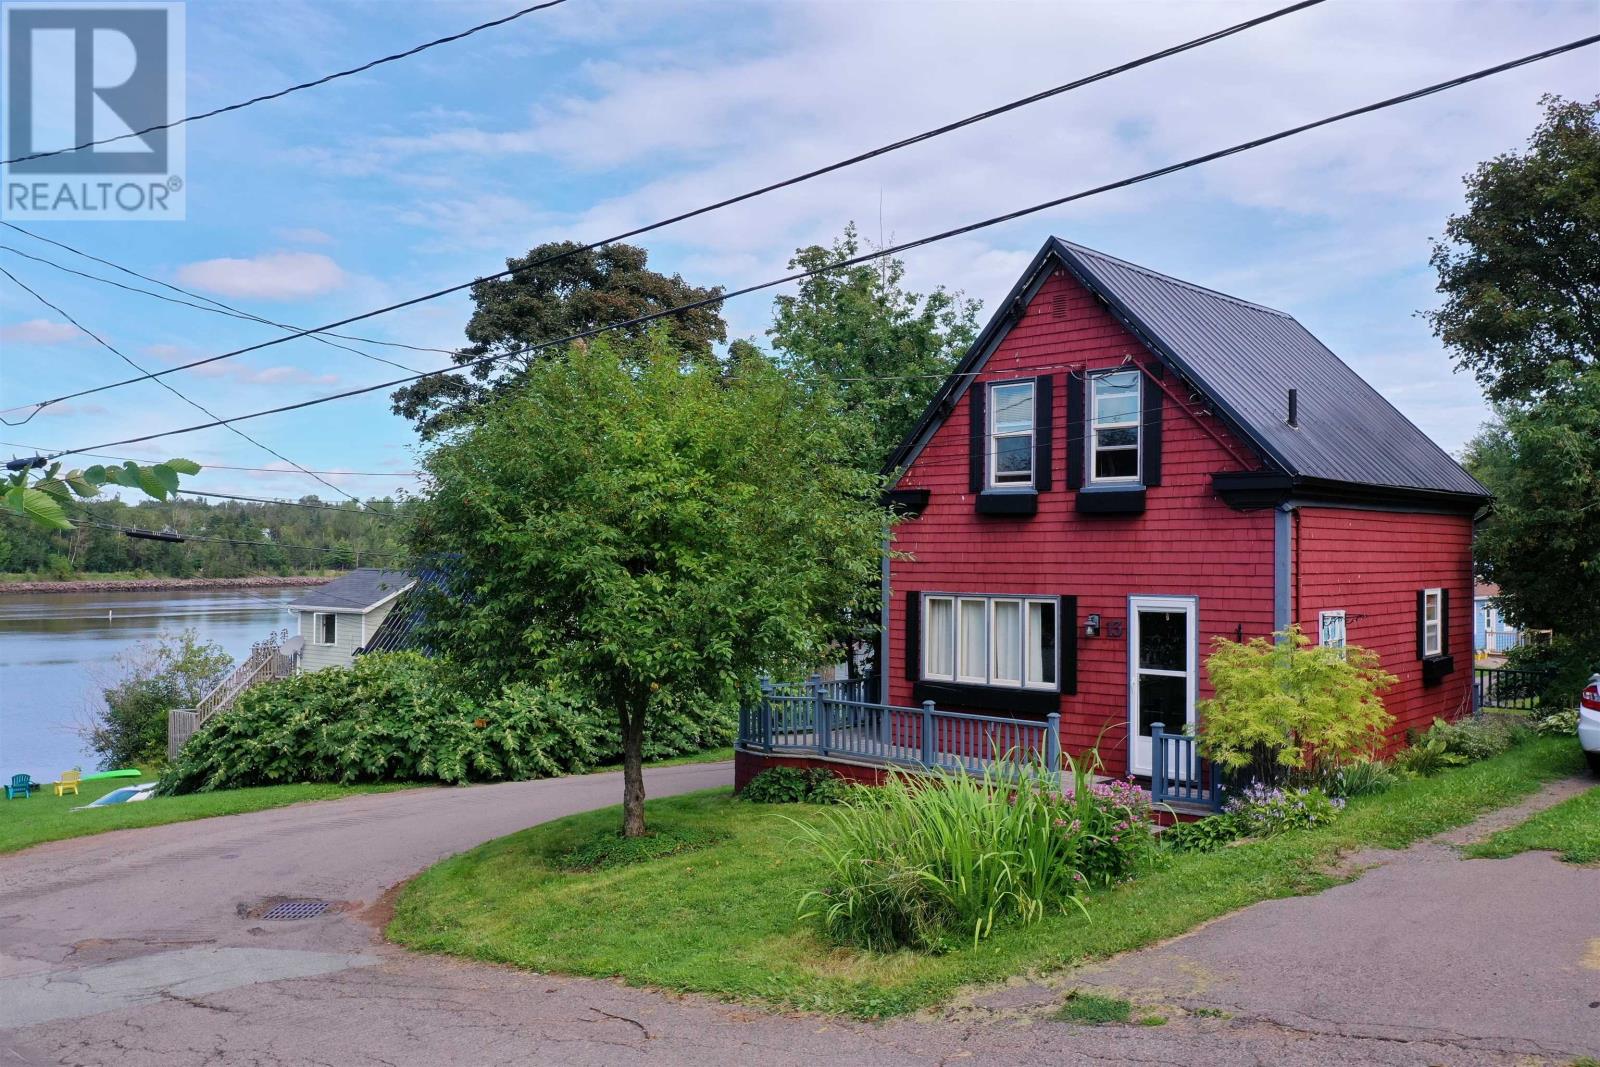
{"x": 296, "y": 909}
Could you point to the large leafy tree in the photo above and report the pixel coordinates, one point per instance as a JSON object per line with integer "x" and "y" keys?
{"x": 1542, "y": 542}
{"x": 644, "y": 531}
{"x": 1520, "y": 268}
{"x": 545, "y": 301}
{"x": 878, "y": 349}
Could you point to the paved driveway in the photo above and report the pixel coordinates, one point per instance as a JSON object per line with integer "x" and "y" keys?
{"x": 146, "y": 947}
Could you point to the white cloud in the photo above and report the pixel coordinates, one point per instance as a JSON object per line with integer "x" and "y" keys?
{"x": 41, "y": 332}
{"x": 273, "y": 276}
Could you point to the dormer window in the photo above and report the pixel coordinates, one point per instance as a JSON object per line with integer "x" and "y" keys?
{"x": 1010, "y": 438}
{"x": 1115, "y": 405}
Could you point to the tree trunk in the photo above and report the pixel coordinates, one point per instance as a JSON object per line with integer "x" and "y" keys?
{"x": 632, "y": 713}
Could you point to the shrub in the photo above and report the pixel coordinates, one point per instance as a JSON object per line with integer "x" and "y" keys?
{"x": 173, "y": 671}
{"x": 791, "y": 785}
{"x": 397, "y": 717}
{"x": 926, "y": 858}
{"x": 1557, "y": 724}
{"x": 1361, "y": 778}
{"x": 1471, "y": 739}
{"x": 1117, "y": 834}
{"x": 1282, "y": 705}
{"x": 1424, "y": 756}
{"x": 1203, "y": 835}
{"x": 614, "y": 850}
{"x": 1264, "y": 811}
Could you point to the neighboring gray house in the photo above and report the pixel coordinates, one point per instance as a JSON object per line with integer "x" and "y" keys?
{"x": 338, "y": 618}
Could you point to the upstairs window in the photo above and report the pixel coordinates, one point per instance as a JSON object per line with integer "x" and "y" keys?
{"x": 1011, "y": 429}
{"x": 1114, "y": 415}
{"x": 1009, "y": 642}
{"x": 1432, "y": 622}
{"x": 325, "y": 628}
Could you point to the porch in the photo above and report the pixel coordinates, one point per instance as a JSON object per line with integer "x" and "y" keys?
{"x": 835, "y": 723}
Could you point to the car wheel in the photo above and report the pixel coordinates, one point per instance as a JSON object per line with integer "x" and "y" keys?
{"x": 1594, "y": 761}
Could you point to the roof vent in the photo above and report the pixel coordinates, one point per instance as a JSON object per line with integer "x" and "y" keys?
{"x": 1294, "y": 409}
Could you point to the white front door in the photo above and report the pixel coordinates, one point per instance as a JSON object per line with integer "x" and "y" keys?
{"x": 1162, "y": 671}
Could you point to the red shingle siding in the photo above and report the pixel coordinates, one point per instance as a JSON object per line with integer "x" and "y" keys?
{"x": 1188, "y": 542}
{"x": 1373, "y": 563}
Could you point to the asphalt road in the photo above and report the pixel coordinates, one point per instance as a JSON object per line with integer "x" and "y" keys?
{"x": 148, "y": 947}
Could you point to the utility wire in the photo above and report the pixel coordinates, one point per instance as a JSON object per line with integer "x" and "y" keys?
{"x": 225, "y": 467}
{"x": 285, "y": 503}
{"x": 739, "y": 198}
{"x": 113, "y": 349}
{"x": 996, "y": 220}
{"x": 164, "y": 535}
{"x": 226, "y": 307}
{"x": 325, "y": 79}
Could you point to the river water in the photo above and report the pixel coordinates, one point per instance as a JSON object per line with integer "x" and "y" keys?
{"x": 60, "y": 650}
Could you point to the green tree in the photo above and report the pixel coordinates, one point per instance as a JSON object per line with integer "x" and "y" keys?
{"x": 1520, "y": 268}
{"x": 553, "y": 300}
{"x": 879, "y": 350}
{"x": 173, "y": 671}
{"x": 1280, "y": 704}
{"x": 1541, "y": 544}
{"x": 644, "y": 532}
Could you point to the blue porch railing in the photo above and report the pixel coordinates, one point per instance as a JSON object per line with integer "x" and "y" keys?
{"x": 1178, "y": 774}
{"x": 834, "y": 719}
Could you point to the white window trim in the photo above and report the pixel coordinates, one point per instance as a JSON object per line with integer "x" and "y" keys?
{"x": 1092, "y": 424}
{"x": 988, "y": 680}
{"x": 991, "y": 437}
{"x": 1322, "y": 628}
{"x": 1433, "y": 632}
{"x": 316, "y": 628}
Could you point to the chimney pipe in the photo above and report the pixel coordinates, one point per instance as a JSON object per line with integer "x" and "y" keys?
{"x": 1294, "y": 408}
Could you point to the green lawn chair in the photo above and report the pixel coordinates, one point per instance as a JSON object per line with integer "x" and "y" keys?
{"x": 21, "y": 786}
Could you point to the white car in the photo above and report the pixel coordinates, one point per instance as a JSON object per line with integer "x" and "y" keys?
{"x": 1589, "y": 721}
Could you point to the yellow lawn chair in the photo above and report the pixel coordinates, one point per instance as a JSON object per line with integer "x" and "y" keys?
{"x": 69, "y": 780}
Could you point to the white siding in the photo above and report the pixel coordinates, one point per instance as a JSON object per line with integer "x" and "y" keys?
{"x": 347, "y": 634}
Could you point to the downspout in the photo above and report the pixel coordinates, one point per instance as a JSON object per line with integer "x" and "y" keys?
{"x": 883, "y": 623}
{"x": 1281, "y": 566}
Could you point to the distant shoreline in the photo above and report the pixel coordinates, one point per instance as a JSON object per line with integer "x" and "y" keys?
{"x": 112, "y": 585}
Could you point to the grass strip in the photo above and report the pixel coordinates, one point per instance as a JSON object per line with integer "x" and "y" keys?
{"x": 1571, "y": 828}
{"x": 722, "y": 920}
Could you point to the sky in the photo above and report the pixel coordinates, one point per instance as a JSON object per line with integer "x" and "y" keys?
{"x": 587, "y": 119}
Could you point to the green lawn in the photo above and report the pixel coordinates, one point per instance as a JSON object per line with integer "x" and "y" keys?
{"x": 47, "y": 817}
{"x": 723, "y": 920}
{"x": 1571, "y": 828}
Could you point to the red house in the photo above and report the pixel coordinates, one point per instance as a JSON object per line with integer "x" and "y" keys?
{"x": 1125, "y": 466}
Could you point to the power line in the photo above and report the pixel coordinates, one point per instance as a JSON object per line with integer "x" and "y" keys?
{"x": 226, "y": 307}
{"x": 739, "y": 198}
{"x": 225, "y": 467}
{"x": 108, "y": 346}
{"x": 285, "y": 503}
{"x": 325, "y": 79}
{"x": 163, "y": 535}
{"x": 996, "y": 220}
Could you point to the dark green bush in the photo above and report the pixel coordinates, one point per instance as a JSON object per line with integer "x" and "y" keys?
{"x": 1204, "y": 835}
{"x": 397, "y": 717}
{"x": 791, "y": 785}
{"x": 614, "y": 850}
{"x": 173, "y": 671}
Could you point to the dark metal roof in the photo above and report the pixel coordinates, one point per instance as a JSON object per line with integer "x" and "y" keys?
{"x": 398, "y": 631}
{"x": 359, "y": 590}
{"x": 1246, "y": 358}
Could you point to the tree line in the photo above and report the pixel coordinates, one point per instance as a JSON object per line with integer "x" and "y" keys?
{"x": 298, "y": 540}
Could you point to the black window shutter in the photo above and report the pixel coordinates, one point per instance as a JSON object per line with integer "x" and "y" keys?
{"x": 1444, "y": 622}
{"x": 1044, "y": 431}
{"x": 978, "y": 436}
{"x": 1069, "y": 644}
{"x": 1150, "y": 438}
{"x": 1422, "y": 624}
{"x": 913, "y": 635}
{"x": 1076, "y": 444}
